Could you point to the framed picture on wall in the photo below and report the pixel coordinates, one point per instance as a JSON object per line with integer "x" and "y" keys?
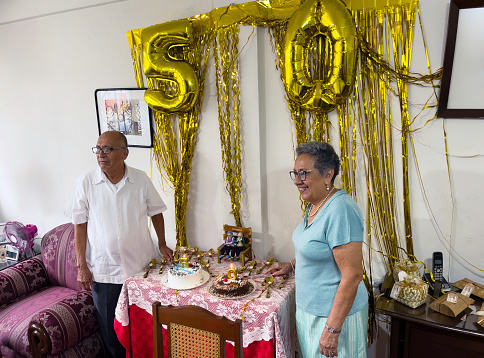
{"x": 461, "y": 89}
{"x": 125, "y": 110}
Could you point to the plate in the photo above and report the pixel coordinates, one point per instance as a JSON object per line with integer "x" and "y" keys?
{"x": 205, "y": 278}
{"x": 251, "y": 291}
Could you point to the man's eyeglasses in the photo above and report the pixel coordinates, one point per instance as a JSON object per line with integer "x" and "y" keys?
{"x": 105, "y": 150}
{"x": 300, "y": 174}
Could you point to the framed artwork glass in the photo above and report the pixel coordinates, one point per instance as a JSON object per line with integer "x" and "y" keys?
{"x": 461, "y": 89}
{"x": 125, "y": 110}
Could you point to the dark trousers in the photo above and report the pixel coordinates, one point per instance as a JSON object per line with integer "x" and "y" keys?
{"x": 105, "y": 297}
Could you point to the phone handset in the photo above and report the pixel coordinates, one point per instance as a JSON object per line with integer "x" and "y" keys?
{"x": 438, "y": 270}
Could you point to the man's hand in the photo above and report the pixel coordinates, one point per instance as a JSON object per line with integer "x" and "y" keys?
{"x": 166, "y": 252}
{"x": 84, "y": 277}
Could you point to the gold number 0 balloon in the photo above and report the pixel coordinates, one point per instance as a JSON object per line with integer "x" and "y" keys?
{"x": 162, "y": 50}
{"x": 331, "y": 19}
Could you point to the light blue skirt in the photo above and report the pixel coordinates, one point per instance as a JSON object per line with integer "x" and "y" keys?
{"x": 352, "y": 341}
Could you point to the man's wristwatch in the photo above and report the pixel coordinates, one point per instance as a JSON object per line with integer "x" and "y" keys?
{"x": 331, "y": 329}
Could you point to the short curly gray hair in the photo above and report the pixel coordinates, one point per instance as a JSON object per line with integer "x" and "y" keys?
{"x": 324, "y": 156}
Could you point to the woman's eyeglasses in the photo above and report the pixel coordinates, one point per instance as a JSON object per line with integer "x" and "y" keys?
{"x": 300, "y": 174}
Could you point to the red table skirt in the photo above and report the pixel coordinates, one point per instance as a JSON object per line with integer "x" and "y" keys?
{"x": 141, "y": 324}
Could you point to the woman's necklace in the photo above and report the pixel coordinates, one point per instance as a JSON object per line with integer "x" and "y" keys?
{"x": 320, "y": 205}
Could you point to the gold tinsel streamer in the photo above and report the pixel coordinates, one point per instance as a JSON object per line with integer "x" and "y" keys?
{"x": 227, "y": 79}
{"x": 175, "y": 138}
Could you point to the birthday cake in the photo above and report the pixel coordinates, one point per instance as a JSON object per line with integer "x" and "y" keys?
{"x": 231, "y": 287}
{"x": 185, "y": 277}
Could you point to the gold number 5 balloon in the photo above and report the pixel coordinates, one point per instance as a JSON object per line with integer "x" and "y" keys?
{"x": 163, "y": 49}
{"x": 331, "y": 20}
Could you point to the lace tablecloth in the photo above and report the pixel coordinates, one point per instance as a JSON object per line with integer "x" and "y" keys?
{"x": 264, "y": 319}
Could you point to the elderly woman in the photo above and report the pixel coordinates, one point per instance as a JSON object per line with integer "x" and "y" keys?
{"x": 331, "y": 299}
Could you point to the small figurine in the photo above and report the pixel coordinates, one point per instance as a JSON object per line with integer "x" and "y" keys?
{"x": 239, "y": 246}
{"x": 228, "y": 245}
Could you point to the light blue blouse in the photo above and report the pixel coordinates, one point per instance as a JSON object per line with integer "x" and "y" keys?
{"x": 317, "y": 275}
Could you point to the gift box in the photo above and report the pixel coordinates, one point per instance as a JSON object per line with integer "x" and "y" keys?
{"x": 409, "y": 267}
{"x": 451, "y": 309}
{"x": 480, "y": 321}
{"x": 412, "y": 291}
{"x": 478, "y": 289}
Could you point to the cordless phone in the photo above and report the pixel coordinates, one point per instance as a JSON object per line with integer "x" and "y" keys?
{"x": 438, "y": 270}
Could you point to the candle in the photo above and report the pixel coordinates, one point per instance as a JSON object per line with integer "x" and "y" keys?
{"x": 184, "y": 261}
{"x": 232, "y": 273}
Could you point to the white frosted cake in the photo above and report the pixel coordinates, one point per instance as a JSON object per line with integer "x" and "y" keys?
{"x": 185, "y": 277}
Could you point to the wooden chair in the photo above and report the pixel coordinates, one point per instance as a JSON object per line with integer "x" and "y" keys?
{"x": 194, "y": 332}
{"x": 246, "y": 254}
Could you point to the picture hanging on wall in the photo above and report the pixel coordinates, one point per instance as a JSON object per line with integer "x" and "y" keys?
{"x": 463, "y": 60}
{"x": 125, "y": 110}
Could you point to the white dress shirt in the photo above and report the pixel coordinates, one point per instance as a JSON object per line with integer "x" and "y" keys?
{"x": 118, "y": 238}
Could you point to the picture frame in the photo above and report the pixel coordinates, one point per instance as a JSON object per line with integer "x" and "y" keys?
{"x": 11, "y": 253}
{"x": 463, "y": 58}
{"x": 125, "y": 110}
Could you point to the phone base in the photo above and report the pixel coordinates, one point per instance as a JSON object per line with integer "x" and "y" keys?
{"x": 437, "y": 288}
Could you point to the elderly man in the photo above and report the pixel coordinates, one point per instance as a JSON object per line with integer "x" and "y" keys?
{"x": 109, "y": 209}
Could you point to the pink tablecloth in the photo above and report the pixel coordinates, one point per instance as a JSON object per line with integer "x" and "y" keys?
{"x": 268, "y": 323}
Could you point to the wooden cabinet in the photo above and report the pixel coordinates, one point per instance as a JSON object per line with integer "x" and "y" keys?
{"x": 422, "y": 332}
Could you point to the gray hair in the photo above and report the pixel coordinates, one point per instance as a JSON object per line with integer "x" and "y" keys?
{"x": 324, "y": 157}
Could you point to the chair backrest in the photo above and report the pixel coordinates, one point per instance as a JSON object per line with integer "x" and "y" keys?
{"x": 59, "y": 256}
{"x": 246, "y": 233}
{"x": 194, "y": 332}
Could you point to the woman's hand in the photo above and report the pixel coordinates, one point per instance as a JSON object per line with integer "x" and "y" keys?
{"x": 279, "y": 269}
{"x": 328, "y": 343}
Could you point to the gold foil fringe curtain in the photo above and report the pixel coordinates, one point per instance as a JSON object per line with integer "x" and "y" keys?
{"x": 227, "y": 79}
{"x": 176, "y": 134}
{"x": 385, "y": 33}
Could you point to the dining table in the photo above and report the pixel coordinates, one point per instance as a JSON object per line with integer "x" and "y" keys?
{"x": 267, "y": 313}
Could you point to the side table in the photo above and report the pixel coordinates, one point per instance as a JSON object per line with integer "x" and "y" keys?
{"x": 423, "y": 332}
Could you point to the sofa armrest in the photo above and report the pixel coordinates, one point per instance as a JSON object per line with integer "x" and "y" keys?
{"x": 63, "y": 324}
{"x": 39, "y": 340}
{"x": 21, "y": 279}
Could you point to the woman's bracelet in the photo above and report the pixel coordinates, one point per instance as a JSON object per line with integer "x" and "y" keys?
{"x": 293, "y": 269}
{"x": 331, "y": 329}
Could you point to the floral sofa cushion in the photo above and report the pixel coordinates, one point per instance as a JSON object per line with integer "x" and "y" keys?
{"x": 67, "y": 315}
{"x": 21, "y": 279}
{"x": 59, "y": 255}
{"x": 15, "y": 318}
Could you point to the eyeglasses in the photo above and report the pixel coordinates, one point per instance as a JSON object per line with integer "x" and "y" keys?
{"x": 105, "y": 150}
{"x": 300, "y": 174}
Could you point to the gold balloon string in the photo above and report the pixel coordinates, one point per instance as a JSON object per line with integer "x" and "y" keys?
{"x": 374, "y": 111}
{"x": 416, "y": 137}
{"x": 227, "y": 81}
{"x": 396, "y": 258}
{"x": 347, "y": 128}
{"x": 415, "y": 78}
{"x": 402, "y": 21}
{"x": 434, "y": 86}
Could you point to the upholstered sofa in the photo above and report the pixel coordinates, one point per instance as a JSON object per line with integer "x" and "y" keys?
{"x": 43, "y": 311}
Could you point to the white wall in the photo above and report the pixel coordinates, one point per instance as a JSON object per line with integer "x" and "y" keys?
{"x": 54, "y": 55}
